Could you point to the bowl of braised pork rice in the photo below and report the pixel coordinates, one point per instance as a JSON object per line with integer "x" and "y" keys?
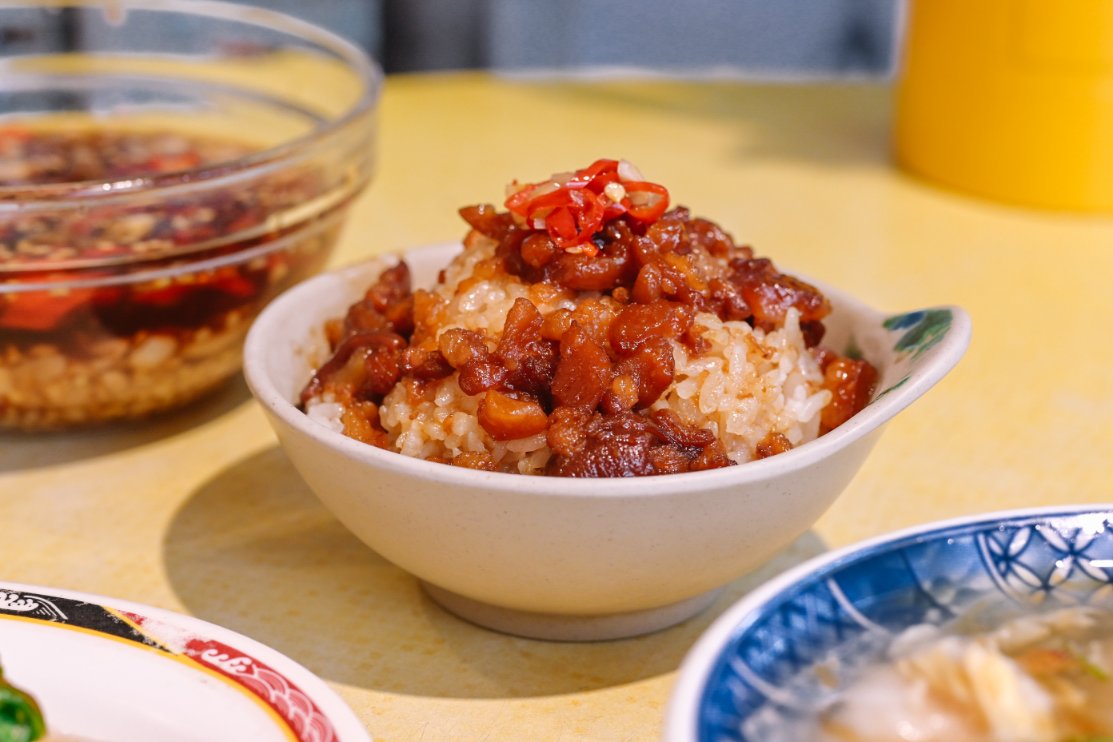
{"x": 448, "y": 403}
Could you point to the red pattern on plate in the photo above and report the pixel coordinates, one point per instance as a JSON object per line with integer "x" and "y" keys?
{"x": 291, "y": 704}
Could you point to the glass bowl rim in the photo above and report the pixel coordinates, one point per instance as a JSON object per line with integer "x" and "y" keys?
{"x": 29, "y": 198}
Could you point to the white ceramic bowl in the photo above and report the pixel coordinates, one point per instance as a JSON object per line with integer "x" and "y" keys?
{"x": 567, "y": 558}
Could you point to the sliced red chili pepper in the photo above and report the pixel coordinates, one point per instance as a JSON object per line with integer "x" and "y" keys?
{"x": 573, "y": 210}
{"x": 236, "y": 285}
{"x": 538, "y": 207}
{"x": 647, "y": 201}
{"x": 593, "y": 177}
{"x": 41, "y": 310}
{"x": 14, "y": 133}
{"x": 596, "y": 176}
{"x": 518, "y": 201}
{"x": 571, "y": 217}
{"x": 562, "y": 227}
{"x": 227, "y": 280}
{"x": 172, "y": 163}
{"x": 167, "y": 296}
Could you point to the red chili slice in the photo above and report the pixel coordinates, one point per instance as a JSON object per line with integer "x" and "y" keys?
{"x": 573, "y": 210}
{"x": 14, "y": 133}
{"x": 238, "y": 286}
{"x": 517, "y": 202}
{"x": 653, "y": 197}
{"x": 227, "y": 280}
{"x": 167, "y": 296}
{"x": 40, "y": 310}
{"x": 172, "y": 163}
{"x": 595, "y": 176}
{"x": 571, "y": 217}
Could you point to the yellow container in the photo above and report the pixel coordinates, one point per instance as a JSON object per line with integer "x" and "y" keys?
{"x": 1010, "y": 99}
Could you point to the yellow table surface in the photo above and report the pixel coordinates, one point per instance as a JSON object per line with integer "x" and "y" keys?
{"x": 200, "y": 512}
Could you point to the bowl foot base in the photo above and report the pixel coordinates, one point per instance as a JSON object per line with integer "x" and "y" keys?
{"x": 569, "y": 628}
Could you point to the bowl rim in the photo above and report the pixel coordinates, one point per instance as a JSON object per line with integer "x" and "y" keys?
{"x": 682, "y": 710}
{"x": 253, "y": 164}
{"x": 269, "y": 322}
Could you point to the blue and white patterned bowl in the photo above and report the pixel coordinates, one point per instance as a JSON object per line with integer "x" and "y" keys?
{"x": 752, "y": 673}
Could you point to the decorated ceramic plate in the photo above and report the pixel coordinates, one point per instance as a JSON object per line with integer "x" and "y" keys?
{"x": 106, "y": 670}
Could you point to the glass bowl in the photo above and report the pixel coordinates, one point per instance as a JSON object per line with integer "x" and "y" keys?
{"x": 166, "y": 168}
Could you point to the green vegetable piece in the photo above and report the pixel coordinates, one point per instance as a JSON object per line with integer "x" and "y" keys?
{"x": 1096, "y": 672}
{"x": 21, "y": 720}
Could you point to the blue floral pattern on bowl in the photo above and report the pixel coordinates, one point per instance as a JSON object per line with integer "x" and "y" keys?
{"x": 848, "y": 605}
{"x": 922, "y": 329}
{"x": 916, "y": 333}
